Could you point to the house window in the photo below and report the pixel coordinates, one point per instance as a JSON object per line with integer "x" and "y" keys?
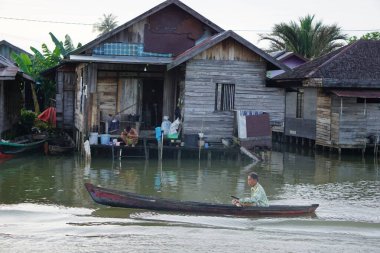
{"x": 368, "y": 100}
{"x": 300, "y": 102}
{"x": 224, "y": 97}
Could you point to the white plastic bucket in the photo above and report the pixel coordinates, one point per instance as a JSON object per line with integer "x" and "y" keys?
{"x": 93, "y": 139}
{"x": 105, "y": 139}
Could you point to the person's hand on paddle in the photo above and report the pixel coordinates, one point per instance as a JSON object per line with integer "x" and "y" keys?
{"x": 236, "y": 202}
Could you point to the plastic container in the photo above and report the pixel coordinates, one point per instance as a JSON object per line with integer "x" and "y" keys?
{"x": 105, "y": 139}
{"x": 158, "y": 133}
{"x": 191, "y": 140}
{"x": 93, "y": 139}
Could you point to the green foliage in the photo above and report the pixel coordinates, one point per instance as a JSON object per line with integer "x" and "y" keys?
{"x": 367, "y": 36}
{"x": 68, "y": 44}
{"x": 27, "y": 119}
{"x": 42, "y": 61}
{"x": 307, "y": 38}
{"x": 23, "y": 61}
{"x": 43, "y": 126}
{"x": 58, "y": 45}
{"x": 106, "y": 23}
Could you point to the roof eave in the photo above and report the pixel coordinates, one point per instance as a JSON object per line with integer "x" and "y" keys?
{"x": 284, "y": 83}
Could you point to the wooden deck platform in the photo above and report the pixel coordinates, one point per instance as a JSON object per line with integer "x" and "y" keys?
{"x": 149, "y": 148}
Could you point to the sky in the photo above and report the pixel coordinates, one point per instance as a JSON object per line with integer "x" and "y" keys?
{"x": 248, "y": 18}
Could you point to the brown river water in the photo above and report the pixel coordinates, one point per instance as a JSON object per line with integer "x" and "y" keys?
{"x": 44, "y": 206}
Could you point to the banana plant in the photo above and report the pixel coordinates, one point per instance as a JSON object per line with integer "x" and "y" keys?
{"x": 26, "y": 64}
{"x": 41, "y": 61}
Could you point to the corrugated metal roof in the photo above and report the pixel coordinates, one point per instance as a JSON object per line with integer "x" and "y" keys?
{"x": 357, "y": 93}
{"x": 8, "y": 73}
{"x": 5, "y": 62}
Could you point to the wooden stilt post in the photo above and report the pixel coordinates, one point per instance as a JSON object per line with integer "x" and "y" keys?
{"x": 145, "y": 150}
{"x": 209, "y": 158}
{"x": 179, "y": 154}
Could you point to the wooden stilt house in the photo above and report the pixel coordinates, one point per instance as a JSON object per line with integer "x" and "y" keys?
{"x": 335, "y": 99}
{"x": 170, "y": 60}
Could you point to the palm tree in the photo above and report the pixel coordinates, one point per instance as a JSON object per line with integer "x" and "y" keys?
{"x": 105, "y": 24}
{"x": 306, "y": 38}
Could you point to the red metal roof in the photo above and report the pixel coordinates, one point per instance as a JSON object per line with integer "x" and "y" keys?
{"x": 357, "y": 93}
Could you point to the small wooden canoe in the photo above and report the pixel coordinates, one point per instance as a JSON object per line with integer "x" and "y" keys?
{"x": 20, "y": 144}
{"x": 61, "y": 144}
{"x": 116, "y": 198}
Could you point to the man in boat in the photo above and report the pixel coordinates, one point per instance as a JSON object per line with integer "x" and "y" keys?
{"x": 258, "y": 196}
{"x": 129, "y": 136}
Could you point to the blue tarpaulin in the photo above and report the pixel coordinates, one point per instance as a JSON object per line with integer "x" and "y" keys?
{"x": 126, "y": 49}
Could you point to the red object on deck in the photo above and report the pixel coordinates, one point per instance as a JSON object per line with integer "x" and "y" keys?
{"x": 49, "y": 115}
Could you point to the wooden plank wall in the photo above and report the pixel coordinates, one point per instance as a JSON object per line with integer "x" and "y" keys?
{"x": 2, "y": 110}
{"x": 59, "y": 97}
{"x": 129, "y": 99}
{"x": 107, "y": 93}
{"x": 171, "y": 84}
{"x": 227, "y": 62}
{"x": 79, "y": 115}
{"x": 134, "y": 34}
{"x": 373, "y": 116}
{"x": 13, "y": 102}
{"x": 66, "y": 82}
{"x": 228, "y": 50}
{"x": 305, "y": 126}
{"x": 353, "y": 122}
{"x": 335, "y": 121}
{"x": 323, "y": 130}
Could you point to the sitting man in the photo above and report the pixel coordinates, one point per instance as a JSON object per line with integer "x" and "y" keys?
{"x": 129, "y": 136}
{"x": 258, "y": 196}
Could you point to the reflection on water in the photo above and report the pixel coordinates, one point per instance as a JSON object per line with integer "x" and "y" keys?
{"x": 44, "y": 205}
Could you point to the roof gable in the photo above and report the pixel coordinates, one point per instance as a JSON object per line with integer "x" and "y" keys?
{"x": 143, "y": 16}
{"x": 7, "y": 48}
{"x": 216, "y": 39}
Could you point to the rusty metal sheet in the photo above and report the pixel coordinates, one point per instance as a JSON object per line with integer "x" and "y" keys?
{"x": 167, "y": 43}
{"x": 258, "y": 125}
{"x": 171, "y": 30}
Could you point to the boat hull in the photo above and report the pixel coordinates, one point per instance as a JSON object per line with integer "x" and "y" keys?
{"x": 61, "y": 144}
{"x": 22, "y": 144}
{"x": 116, "y": 198}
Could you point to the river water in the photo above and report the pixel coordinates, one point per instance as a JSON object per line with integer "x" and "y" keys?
{"x": 44, "y": 206}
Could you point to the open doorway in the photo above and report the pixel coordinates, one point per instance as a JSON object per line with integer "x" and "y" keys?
{"x": 152, "y": 100}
